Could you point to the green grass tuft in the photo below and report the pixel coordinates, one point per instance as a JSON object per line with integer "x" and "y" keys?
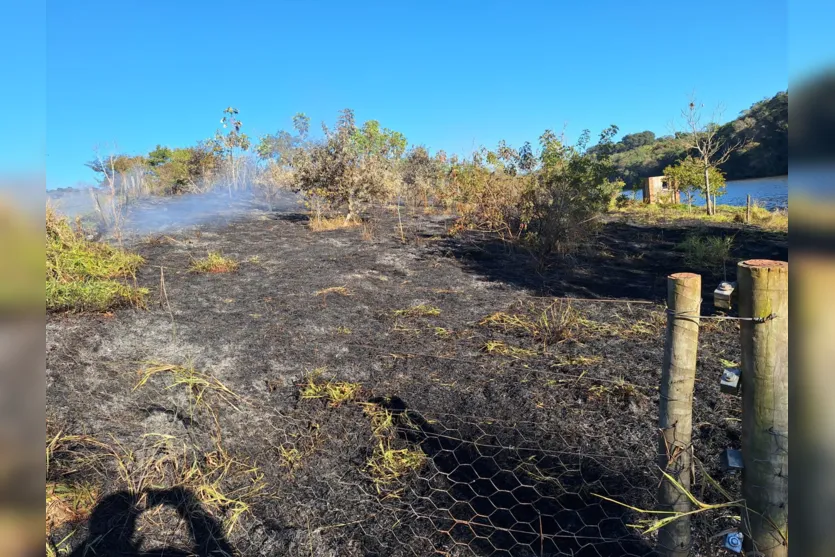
{"x": 214, "y": 262}
{"x": 87, "y": 276}
{"x": 335, "y": 392}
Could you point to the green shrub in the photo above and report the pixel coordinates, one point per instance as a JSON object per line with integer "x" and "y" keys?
{"x": 82, "y": 275}
{"x": 708, "y": 252}
{"x": 572, "y": 189}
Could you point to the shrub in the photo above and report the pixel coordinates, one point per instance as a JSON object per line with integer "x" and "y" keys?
{"x": 710, "y": 252}
{"x": 352, "y": 165}
{"x": 571, "y": 190}
{"x": 86, "y": 276}
{"x": 487, "y": 198}
{"x": 622, "y": 201}
{"x": 272, "y": 181}
{"x": 421, "y": 176}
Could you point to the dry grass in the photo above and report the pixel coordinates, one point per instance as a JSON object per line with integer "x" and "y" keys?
{"x": 504, "y": 349}
{"x": 420, "y": 310}
{"x": 68, "y": 503}
{"x": 620, "y": 391}
{"x": 577, "y": 361}
{"x": 214, "y": 262}
{"x": 369, "y": 231}
{"x": 382, "y": 419}
{"x": 334, "y": 392}
{"x": 289, "y": 457}
{"x": 323, "y": 224}
{"x": 202, "y": 388}
{"x": 70, "y": 499}
{"x": 339, "y": 290}
{"x": 554, "y": 324}
{"x": 389, "y": 466}
{"x": 224, "y": 484}
{"x": 442, "y": 332}
{"x": 659, "y": 519}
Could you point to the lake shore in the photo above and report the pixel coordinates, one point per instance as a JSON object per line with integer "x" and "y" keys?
{"x": 769, "y": 193}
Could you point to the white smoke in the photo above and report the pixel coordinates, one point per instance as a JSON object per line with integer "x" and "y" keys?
{"x": 154, "y": 214}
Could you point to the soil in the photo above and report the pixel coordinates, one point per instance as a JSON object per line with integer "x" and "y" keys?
{"x": 518, "y": 447}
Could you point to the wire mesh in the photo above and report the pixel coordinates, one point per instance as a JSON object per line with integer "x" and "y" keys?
{"x": 464, "y": 452}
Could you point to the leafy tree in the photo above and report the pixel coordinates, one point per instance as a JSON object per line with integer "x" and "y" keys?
{"x": 301, "y": 123}
{"x": 229, "y": 144}
{"x": 283, "y": 146}
{"x": 707, "y": 145}
{"x": 635, "y": 140}
{"x": 282, "y": 151}
{"x": 160, "y": 155}
{"x": 187, "y": 169}
{"x": 688, "y": 178}
{"x": 422, "y": 174}
{"x": 279, "y": 147}
{"x": 373, "y": 141}
{"x": 351, "y": 165}
{"x": 123, "y": 175}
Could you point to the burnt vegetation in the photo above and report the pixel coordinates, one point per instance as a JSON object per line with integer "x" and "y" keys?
{"x": 434, "y": 355}
{"x": 403, "y": 435}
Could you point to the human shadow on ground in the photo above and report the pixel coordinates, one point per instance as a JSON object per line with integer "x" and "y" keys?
{"x": 621, "y": 261}
{"x": 113, "y": 522}
{"x": 500, "y": 503}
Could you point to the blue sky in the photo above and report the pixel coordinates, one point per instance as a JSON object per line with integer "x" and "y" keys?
{"x": 23, "y": 86}
{"x": 451, "y": 75}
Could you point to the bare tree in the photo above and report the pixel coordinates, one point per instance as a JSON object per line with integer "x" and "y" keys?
{"x": 272, "y": 180}
{"x": 111, "y": 215}
{"x": 707, "y": 145}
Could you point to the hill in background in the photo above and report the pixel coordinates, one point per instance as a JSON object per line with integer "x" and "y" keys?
{"x": 766, "y": 123}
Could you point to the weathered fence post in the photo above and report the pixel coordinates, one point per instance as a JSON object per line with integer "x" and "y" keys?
{"x": 764, "y": 294}
{"x": 748, "y": 210}
{"x": 675, "y": 415}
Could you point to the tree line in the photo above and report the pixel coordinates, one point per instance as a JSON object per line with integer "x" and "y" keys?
{"x": 547, "y": 194}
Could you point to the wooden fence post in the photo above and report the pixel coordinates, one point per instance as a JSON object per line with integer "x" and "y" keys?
{"x": 675, "y": 415}
{"x": 748, "y": 210}
{"x": 764, "y": 294}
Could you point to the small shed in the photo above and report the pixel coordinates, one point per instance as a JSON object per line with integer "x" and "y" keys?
{"x": 660, "y": 189}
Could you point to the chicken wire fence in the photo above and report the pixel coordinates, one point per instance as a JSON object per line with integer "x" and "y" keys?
{"x": 412, "y": 482}
{"x": 461, "y": 456}
{"x": 376, "y": 477}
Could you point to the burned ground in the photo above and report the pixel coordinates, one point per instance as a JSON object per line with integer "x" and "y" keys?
{"x": 517, "y": 424}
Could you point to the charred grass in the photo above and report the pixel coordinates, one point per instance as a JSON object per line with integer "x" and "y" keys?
{"x": 383, "y": 424}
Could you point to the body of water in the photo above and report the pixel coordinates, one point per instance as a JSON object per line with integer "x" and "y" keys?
{"x": 771, "y": 193}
